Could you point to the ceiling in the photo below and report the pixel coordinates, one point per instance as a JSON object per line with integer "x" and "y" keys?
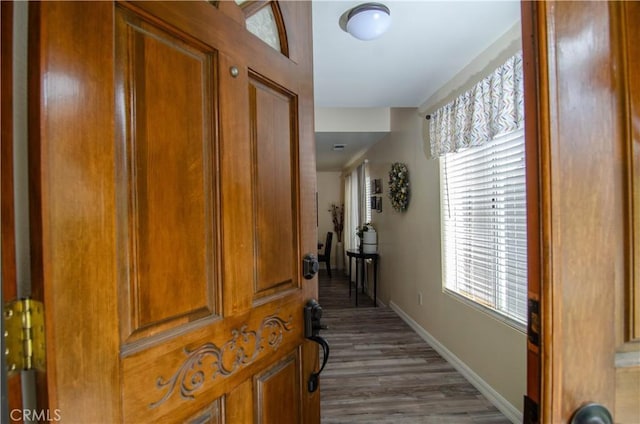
{"x": 427, "y": 44}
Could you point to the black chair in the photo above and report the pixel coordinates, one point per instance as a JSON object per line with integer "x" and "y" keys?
{"x": 326, "y": 256}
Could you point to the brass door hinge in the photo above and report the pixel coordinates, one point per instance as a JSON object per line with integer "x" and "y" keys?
{"x": 24, "y": 335}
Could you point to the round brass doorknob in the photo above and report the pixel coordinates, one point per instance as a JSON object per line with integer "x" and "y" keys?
{"x": 592, "y": 413}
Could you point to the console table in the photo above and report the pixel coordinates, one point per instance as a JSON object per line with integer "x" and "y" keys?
{"x": 360, "y": 258}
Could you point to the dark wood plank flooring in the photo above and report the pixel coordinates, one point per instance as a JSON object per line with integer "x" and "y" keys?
{"x": 381, "y": 371}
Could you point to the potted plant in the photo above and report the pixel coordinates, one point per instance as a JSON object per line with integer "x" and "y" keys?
{"x": 337, "y": 217}
{"x": 368, "y": 238}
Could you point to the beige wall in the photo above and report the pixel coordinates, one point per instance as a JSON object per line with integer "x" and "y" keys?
{"x": 495, "y": 55}
{"x": 410, "y": 264}
{"x": 329, "y": 191}
{"x": 409, "y": 246}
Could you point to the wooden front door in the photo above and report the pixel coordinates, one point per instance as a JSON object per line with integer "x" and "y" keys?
{"x": 584, "y": 120}
{"x": 173, "y": 175}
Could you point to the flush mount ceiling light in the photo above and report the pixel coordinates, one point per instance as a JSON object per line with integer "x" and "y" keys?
{"x": 367, "y": 21}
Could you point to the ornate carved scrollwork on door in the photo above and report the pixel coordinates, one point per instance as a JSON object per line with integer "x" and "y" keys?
{"x": 242, "y": 349}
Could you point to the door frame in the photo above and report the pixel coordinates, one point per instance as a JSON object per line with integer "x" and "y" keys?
{"x": 580, "y": 229}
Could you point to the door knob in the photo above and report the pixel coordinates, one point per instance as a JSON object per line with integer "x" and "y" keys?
{"x": 310, "y": 266}
{"x": 592, "y": 413}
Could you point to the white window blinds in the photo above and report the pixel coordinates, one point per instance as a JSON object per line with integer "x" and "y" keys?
{"x": 483, "y": 201}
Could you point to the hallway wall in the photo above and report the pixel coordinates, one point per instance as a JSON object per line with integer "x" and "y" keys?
{"x": 329, "y": 192}
{"x": 410, "y": 256}
{"x": 410, "y": 267}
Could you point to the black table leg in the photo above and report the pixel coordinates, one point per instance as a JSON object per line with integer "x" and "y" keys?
{"x": 350, "y": 276}
{"x": 375, "y": 281}
{"x": 357, "y": 279}
{"x": 365, "y": 274}
{"x": 361, "y": 276}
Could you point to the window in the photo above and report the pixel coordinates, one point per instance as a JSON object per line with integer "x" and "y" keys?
{"x": 367, "y": 197}
{"x": 483, "y": 201}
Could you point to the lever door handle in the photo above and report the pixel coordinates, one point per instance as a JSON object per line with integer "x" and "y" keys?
{"x": 314, "y": 379}
{"x": 312, "y": 327}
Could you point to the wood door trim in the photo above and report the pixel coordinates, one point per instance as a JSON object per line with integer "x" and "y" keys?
{"x": 529, "y": 42}
{"x": 582, "y": 234}
{"x": 9, "y": 288}
{"x": 544, "y": 40}
{"x": 629, "y": 104}
{"x": 9, "y": 280}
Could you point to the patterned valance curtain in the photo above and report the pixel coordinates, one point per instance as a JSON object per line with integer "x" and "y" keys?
{"x": 493, "y": 107}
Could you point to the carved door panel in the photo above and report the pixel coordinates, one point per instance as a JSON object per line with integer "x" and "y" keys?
{"x": 175, "y": 173}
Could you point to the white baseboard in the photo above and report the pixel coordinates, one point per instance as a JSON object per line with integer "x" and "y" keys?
{"x": 510, "y": 411}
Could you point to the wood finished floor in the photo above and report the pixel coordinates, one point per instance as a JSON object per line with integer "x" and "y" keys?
{"x": 381, "y": 371}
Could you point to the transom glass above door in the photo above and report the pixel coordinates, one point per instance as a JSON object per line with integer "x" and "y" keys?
{"x": 264, "y": 20}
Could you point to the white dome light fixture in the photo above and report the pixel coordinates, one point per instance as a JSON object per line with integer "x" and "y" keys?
{"x": 368, "y": 21}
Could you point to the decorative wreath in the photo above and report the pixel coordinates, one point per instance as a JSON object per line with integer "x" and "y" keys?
{"x": 399, "y": 186}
